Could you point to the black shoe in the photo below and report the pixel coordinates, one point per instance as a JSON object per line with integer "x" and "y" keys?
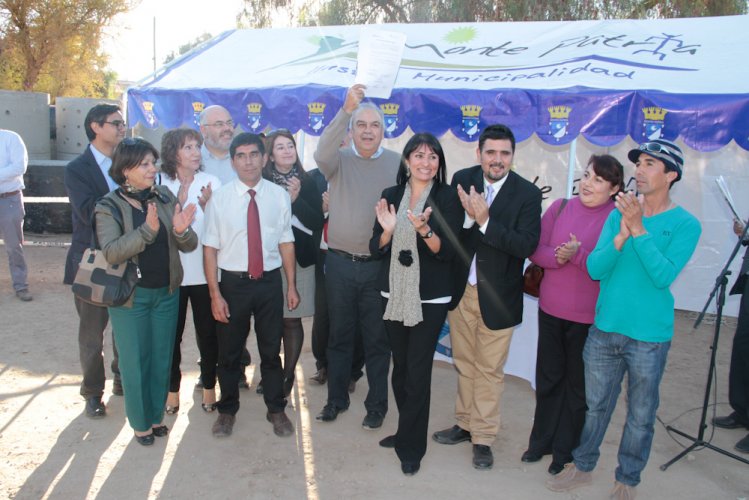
{"x": 483, "y": 458}
{"x": 259, "y": 388}
{"x": 453, "y": 435}
{"x": 555, "y": 468}
{"x": 729, "y": 422}
{"x": 388, "y": 442}
{"x": 530, "y": 457}
{"x": 329, "y": 413}
{"x": 117, "y": 387}
{"x": 95, "y": 408}
{"x": 243, "y": 383}
{"x": 743, "y": 445}
{"x": 160, "y": 431}
{"x": 321, "y": 377}
{"x": 146, "y": 440}
{"x": 410, "y": 468}
{"x": 373, "y": 420}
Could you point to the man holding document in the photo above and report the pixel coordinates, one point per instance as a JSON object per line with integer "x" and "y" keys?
{"x": 357, "y": 174}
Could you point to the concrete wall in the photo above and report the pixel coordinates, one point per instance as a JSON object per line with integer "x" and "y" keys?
{"x": 69, "y": 115}
{"x": 45, "y": 179}
{"x": 28, "y": 114}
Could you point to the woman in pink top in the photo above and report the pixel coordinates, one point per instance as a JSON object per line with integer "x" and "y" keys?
{"x": 567, "y": 300}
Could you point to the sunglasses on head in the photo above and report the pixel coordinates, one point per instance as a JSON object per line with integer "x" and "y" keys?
{"x": 132, "y": 141}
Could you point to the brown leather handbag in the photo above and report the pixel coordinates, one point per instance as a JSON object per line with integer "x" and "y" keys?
{"x": 534, "y": 273}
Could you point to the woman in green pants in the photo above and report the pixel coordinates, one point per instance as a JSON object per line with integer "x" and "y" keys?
{"x": 144, "y": 223}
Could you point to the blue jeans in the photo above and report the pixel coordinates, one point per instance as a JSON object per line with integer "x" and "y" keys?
{"x": 607, "y": 356}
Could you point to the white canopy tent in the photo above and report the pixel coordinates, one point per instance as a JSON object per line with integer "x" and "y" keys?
{"x": 586, "y": 86}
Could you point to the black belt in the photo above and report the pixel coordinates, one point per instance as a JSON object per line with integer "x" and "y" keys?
{"x": 351, "y": 256}
{"x": 10, "y": 193}
{"x": 247, "y": 276}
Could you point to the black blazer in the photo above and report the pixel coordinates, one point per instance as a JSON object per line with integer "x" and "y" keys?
{"x": 445, "y": 221}
{"x": 738, "y": 286}
{"x": 308, "y": 209}
{"x": 511, "y": 236}
{"x": 85, "y": 184}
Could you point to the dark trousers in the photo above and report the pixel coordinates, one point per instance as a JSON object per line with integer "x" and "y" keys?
{"x": 354, "y": 302}
{"x": 321, "y": 325}
{"x": 92, "y": 323}
{"x": 413, "y": 355}
{"x": 560, "y": 387}
{"x": 205, "y": 335}
{"x": 263, "y": 299}
{"x": 738, "y": 376}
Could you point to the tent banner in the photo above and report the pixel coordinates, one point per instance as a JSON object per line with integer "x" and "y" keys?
{"x": 604, "y": 80}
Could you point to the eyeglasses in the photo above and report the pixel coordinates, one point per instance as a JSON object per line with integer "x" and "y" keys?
{"x": 117, "y": 123}
{"x": 221, "y": 124}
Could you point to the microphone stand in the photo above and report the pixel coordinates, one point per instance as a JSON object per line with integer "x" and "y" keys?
{"x": 720, "y": 288}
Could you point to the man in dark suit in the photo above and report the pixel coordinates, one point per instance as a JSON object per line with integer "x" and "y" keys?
{"x": 86, "y": 180}
{"x": 502, "y": 227}
{"x": 738, "y": 376}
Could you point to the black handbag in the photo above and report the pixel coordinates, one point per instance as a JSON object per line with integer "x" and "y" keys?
{"x": 97, "y": 281}
{"x": 534, "y": 273}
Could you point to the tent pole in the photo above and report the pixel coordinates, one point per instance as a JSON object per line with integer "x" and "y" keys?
{"x": 571, "y": 168}
{"x": 300, "y": 147}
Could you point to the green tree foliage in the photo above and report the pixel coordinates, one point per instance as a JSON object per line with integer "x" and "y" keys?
{"x": 184, "y": 49}
{"x": 260, "y": 13}
{"x": 53, "y": 45}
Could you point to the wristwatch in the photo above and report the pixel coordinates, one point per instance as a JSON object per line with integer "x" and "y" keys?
{"x": 429, "y": 234}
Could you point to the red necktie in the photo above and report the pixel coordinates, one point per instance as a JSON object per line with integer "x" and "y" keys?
{"x": 254, "y": 239}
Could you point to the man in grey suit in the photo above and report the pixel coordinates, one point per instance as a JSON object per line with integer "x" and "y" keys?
{"x": 86, "y": 180}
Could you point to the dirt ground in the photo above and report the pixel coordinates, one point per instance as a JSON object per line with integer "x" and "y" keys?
{"x": 51, "y": 450}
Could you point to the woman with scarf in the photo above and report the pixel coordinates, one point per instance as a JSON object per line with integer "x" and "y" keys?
{"x": 285, "y": 169}
{"x": 183, "y": 174}
{"x": 146, "y": 224}
{"x": 415, "y": 235}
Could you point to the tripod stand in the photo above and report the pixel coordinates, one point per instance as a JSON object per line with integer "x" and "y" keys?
{"x": 720, "y": 288}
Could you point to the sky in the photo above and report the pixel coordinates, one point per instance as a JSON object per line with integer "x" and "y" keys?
{"x": 129, "y": 41}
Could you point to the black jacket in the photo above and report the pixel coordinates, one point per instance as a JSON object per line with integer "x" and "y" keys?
{"x": 85, "y": 184}
{"x": 445, "y": 221}
{"x": 308, "y": 209}
{"x": 511, "y": 236}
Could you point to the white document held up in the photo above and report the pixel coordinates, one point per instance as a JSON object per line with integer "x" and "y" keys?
{"x": 380, "y": 54}
{"x": 721, "y": 182}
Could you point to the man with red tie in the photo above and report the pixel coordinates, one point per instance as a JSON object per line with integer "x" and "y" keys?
{"x": 248, "y": 237}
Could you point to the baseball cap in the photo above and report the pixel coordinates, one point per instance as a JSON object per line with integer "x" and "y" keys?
{"x": 666, "y": 151}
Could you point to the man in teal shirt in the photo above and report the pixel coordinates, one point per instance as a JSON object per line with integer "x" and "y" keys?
{"x": 643, "y": 247}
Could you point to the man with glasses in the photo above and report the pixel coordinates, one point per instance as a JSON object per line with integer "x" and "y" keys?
{"x": 13, "y": 162}
{"x": 217, "y": 129}
{"x": 357, "y": 175}
{"x": 643, "y": 247}
{"x": 86, "y": 180}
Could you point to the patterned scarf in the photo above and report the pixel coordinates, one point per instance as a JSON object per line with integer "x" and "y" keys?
{"x": 405, "y": 300}
{"x": 280, "y": 178}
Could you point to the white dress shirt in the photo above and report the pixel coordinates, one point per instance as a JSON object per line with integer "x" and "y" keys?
{"x": 13, "y": 161}
{"x": 226, "y": 223}
{"x": 219, "y": 167}
{"x": 104, "y": 163}
{"x": 192, "y": 262}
